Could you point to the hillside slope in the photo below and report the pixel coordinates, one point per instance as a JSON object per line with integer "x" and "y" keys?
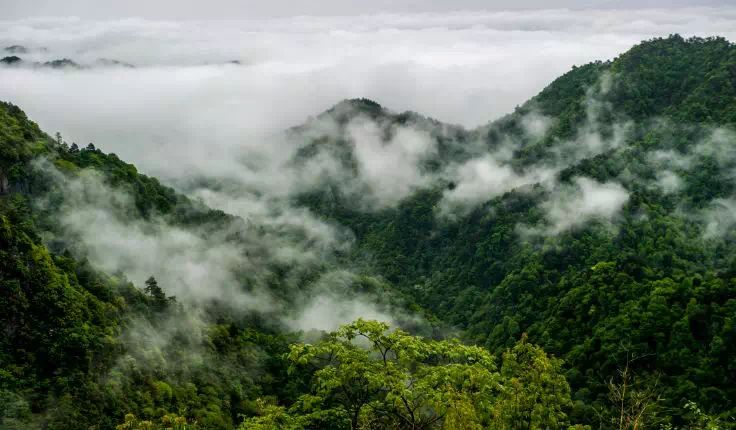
{"x": 651, "y": 284}
{"x": 84, "y": 349}
{"x": 81, "y": 348}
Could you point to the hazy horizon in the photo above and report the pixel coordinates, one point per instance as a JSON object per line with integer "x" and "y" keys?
{"x": 234, "y": 9}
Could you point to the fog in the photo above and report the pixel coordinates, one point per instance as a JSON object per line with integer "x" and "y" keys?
{"x": 460, "y": 67}
{"x": 573, "y": 205}
{"x": 206, "y": 101}
{"x": 204, "y": 265}
{"x": 186, "y": 110}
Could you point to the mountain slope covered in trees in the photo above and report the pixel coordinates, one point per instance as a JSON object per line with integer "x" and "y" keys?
{"x": 606, "y": 236}
{"x": 654, "y": 290}
{"x": 85, "y": 349}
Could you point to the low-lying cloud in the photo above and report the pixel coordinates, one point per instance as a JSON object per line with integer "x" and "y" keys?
{"x": 390, "y": 167}
{"x": 481, "y": 179}
{"x": 184, "y": 103}
{"x": 102, "y": 224}
{"x": 719, "y": 217}
{"x": 206, "y": 98}
{"x": 207, "y": 265}
{"x": 573, "y": 205}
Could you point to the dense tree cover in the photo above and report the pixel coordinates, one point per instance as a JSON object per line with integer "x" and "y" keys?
{"x": 656, "y": 286}
{"x": 365, "y": 376}
{"x": 641, "y": 310}
{"x": 56, "y": 328}
{"x": 20, "y": 139}
{"x": 172, "y": 422}
{"x": 65, "y": 362}
{"x": 82, "y": 348}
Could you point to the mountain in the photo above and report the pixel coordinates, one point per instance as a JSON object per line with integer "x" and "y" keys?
{"x": 61, "y": 63}
{"x": 12, "y": 60}
{"x": 62, "y": 353}
{"x": 596, "y": 221}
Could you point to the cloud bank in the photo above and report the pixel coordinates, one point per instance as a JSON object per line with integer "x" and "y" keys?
{"x": 461, "y": 67}
{"x": 186, "y": 111}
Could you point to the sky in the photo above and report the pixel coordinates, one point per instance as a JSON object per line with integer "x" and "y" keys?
{"x": 230, "y": 9}
{"x": 206, "y": 93}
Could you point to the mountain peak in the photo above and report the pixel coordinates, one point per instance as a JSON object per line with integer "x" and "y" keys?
{"x": 348, "y": 109}
{"x": 357, "y": 105}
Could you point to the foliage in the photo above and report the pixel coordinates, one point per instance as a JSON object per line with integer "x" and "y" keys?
{"x": 654, "y": 285}
{"x": 64, "y": 360}
{"x": 168, "y": 422}
{"x": 367, "y": 376}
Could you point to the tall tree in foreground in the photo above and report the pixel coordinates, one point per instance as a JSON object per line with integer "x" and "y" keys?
{"x": 369, "y": 377}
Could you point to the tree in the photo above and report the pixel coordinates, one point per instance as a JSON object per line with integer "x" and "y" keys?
{"x": 168, "y": 422}
{"x": 635, "y": 402}
{"x": 535, "y": 394}
{"x": 273, "y": 417}
{"x": 158, "y": 297}
{"x": 367, "y": 376}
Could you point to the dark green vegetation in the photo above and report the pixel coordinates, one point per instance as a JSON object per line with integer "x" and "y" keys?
{"x": 657, "y": 291}
{"x": 63, "y": 363}
{"x": 640, "y": 313}
{"x": 401, "y": 381}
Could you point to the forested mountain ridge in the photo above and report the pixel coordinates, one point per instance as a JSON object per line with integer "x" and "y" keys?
{"x": 655, "y": 288}
{"x": 63, "y": 320}
{"x": 607, "y": 239}
{"x": 84, "y": 349}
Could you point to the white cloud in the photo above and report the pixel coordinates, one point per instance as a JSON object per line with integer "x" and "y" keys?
{"x": 719, "y": 217}
{"x": 390, "y": 167}
{"x": 572, "y": 206}
{"x": 328, "y": 312}
{"x": 668, "y": 181}
{"x": 536, "y": 125}
{"x": 465, "y": 67}
{"x": 184, "y": 112}
{"x": 231, "y": 9}
{"x": 490, "y": 174}
{"x": 481, "y": 179}
{"x": 201, "y": 266}
{"x": 101, "y": 223}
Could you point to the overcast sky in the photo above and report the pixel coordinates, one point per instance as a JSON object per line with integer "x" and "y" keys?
{"x": 228, "y": 9}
